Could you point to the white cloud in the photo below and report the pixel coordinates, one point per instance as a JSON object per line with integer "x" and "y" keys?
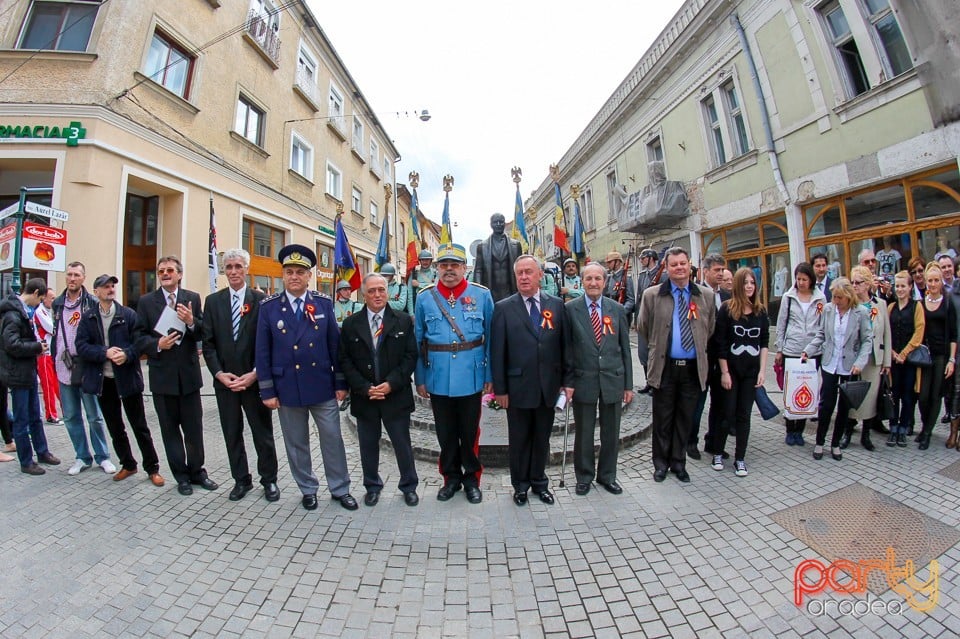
{"x": 508, "y": 83}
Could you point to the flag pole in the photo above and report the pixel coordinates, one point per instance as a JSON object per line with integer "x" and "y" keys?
{"x": 387, "y": 194}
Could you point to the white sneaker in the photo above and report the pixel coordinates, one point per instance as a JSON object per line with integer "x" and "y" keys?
{"x": 741, "y": 468}
{"x": 78, "y": 467}
{"x": 717, "y": 462}
{"x": 108, "y": 467}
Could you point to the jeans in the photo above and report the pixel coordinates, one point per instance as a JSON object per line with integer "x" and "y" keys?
{"x": 71, "y": 398}
{"x": 27, "y": 425}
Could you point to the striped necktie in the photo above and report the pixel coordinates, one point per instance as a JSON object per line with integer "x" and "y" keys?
{"x": 686, "y": 331}
{"x": 235, "y": 314}
{"x": 595, "y": 321}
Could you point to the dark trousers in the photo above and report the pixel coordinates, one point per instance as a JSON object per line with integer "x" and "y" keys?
{"x": 260, "y": 418}
{"x": 528, "y": 431}
{"x": 830, "y": 399}
{"x": 27, "y": 425}
{"x": 717, "y": 412}
{"x": 457, "y": 421}
{"x": 397, "y": 426}
{"x": 738, "y": 404}
{"x": 585, "y": 421}
{"x": 904, "y": 397}
{"x": 673, "y": 405}
{"x": 931, "y": 390}
{"x": 110, "y": 403}
{"x": 181, "y": 427}
{"x": 6, "y": 427}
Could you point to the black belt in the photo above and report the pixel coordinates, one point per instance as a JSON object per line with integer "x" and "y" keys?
{"x": 455, "y": 347}
{"x": 682, "y": 362}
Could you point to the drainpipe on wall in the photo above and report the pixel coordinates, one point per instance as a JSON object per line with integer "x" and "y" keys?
{"x": 794, "y": 215}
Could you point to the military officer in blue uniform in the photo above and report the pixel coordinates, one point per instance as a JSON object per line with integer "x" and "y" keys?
{"x": 344, "y": 307}
{"x": 422, "y": 276}
{"x": 452, "y": 325}
{"x": 570, "y": 285}
{"x": 299, "y": 373}
{"x": 396, "y": 290}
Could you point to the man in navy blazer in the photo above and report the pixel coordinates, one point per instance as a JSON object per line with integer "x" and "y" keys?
{"x": 526, "y": 356}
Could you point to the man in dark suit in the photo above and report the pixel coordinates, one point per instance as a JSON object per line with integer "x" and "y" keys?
{"x": 714, "y": 265}
{"x": 378, "y": 354}
{"x": 175, "y": 378}
{"x": 597, "y": 336}
{"x": 820, "y": 266}
{"x": 526, "y": 355}
{"x": 229, "y": 333}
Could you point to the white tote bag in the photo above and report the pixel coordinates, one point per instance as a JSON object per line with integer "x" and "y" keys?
{"x": 801, "y": 389}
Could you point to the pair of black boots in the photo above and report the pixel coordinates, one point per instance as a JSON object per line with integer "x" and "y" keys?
{"x": 864, "y": 435}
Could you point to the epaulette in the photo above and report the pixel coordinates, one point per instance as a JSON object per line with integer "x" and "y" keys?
{"x": 271, "y": 297}
{"x": 425, "y": 288}
{"x": 479, "y": 285}
{"x": 321, "y": 294}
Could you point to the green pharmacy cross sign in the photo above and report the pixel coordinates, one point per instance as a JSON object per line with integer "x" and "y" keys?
{"x": 72, "y": 133}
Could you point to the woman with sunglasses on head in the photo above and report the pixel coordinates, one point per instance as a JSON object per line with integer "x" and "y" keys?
{"x": 906, "y": 334}
{"x": 800, "y": 310}
{"x": 845, "y": 337}
{"x": 742, "y": 333}
{"x": 940, "y": 336}
{"x": 879, "y": 362}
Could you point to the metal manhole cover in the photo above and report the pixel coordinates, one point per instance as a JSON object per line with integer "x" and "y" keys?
{"x": 859, "y": 524}
{"x": 952, "y": 471}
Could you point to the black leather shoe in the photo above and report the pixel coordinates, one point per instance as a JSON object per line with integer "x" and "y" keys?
{"x": 239, "y": 491}
{"x": 371, "y": 498}
{"x": 924, "y": 442}
{"x": 184, "y": 488}
{"x": 546, "y": 497}
{"x": 693, "y": 452}
{"x": 309, "y": 502}
{"x": 411, "y": 498}
{"x": 818, "y": 454}
{"x": 646, "y": 390}
{"x": 474, "y": 496}
{"x": 347, "y": 501}
{"x": 836, "y": 455}
{"x": 659, "y": 475}
{"x": 613, "y": 487}
{"x": 271, "y": 491}
{"x": 206, "y": 483}
{"x": 583, "y": 489}
{"x": 865, "y": 441}
{"x": 447, "y": 491}
{"x": 49, "y": 459}
{"x": 682, "y": 475}
{"x": 520, "y": 497}
{"x": 844, "y": 441}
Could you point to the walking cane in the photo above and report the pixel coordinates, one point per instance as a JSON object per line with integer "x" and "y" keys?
{"x": 566, "y": 425}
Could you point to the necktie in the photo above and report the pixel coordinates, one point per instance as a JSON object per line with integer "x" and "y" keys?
{"x": 686, "y": 331}
{"x": 595, "y": 321}
{"x": 235, "y": 315}
{"x": 534, "y": 315}
{"x": 172, "y": 300}
{"x": 376, "y": 329}
{"x": 298, "y": 312}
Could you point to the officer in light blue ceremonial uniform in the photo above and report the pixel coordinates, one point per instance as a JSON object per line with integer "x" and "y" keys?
{"x": 298, "y": 369}
{"x": 452, "y": 324}
{"x": 345, "y": 306}
{"x": 396, "y": 290}
{"x": 570, "y": 285}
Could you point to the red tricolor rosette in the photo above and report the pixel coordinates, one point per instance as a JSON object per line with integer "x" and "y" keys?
{"x": 692, "y": 311}
{"x": 608, "y": 325}
{"x": 547, "y": 321}
{"x": 309, "y": 309}
{"x": 244, "y": 310}
{"x": 74, "y": 318}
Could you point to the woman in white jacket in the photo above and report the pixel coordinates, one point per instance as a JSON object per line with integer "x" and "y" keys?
{"x": 800, "y": 311}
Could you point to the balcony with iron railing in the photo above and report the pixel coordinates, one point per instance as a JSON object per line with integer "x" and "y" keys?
{"x": 263, "y": 35}
{"x": 338, "y": 124}
{"x": 305, "y": 85}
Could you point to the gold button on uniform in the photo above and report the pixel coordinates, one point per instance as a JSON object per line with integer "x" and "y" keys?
{"x": 298, "y": 366}
{"x": 295, "y": 347}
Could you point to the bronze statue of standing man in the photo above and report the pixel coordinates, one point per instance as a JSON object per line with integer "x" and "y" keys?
{"x": 495, "y": 258}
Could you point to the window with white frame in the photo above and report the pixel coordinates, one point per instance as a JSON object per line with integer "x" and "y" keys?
{"x": 655, "y": 150}
{"x": 355, "y": 199}
{"x": 613, "y": 192}
{"x": 374, "y": 213}
{"x": 358, "y": 135}
{"x": 387, "y": 169}
{"x": 374, "y": 153}
{"x": 715, "y": 132}
{"x": 586, "y": 211}
{"x": 726, "y": 126}
{"x": 249, "y": 120}
{"x": 335, "y": 103}
{"x": 307, "y": 71}
{"x": 59, "y": 26}
{"x": 169, "y": 64}
{"x": 738, "y": 128}
{"x": 301, "y": 157}
{"x": 868, "y": 44}
{"x": 334, "y": 182}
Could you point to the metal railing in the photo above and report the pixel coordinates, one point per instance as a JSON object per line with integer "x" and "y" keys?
{"x": 263, "y": 34}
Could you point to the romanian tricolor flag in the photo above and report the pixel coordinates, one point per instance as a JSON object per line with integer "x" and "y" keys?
{"x": 413, "y": 236}
{"x": 344, "y": 261}
{"x": 519, "y": 224}
{"x": 559, "y": 224}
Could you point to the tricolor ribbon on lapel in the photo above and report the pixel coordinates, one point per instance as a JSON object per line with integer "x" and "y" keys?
{"x": 547, "y": 321}
{"x": 692, "y": 311}
{"x": 607, "y": 325}
{"x": 309, "y": 309}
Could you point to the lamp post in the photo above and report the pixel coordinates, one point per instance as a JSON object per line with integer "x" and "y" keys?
{"x": 18, "y": 238}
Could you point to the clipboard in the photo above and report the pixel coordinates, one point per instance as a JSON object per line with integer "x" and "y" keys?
{"x": 169, "y": 321}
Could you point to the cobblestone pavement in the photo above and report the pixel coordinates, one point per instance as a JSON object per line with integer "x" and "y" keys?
{"x": 90, "y": 557}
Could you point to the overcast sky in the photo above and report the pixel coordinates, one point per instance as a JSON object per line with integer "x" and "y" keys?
{"x": 508, "y": 83}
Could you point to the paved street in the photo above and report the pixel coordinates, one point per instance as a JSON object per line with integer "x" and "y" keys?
{"x": 88, "y": 557}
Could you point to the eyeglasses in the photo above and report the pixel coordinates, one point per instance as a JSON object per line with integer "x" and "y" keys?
{"x": 746, "y": 332}
{"x": 917, "y": 271}
{"x": 164, "y": 271}
{"x": 858, "y": 282}
{"x": 869, "y": 261}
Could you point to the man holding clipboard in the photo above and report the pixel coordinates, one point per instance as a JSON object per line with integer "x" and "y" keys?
{"x": 169, "y": 323}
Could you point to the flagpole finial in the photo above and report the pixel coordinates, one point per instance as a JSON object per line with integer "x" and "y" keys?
{"x": 339, "y": 209}
{"x": 532, "y": 210}
{"x": 575, "y": 190}
{"x": 555, "y": 173}
{"x": 516, "y": 172}
{"x": 387, "y": 192}
{"x": 447, "y": 183}
{"x": 414, "y": 179}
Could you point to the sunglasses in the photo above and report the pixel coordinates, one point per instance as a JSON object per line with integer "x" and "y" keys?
{"x": 164, "y": 271}
{"x": 858, "y": 282}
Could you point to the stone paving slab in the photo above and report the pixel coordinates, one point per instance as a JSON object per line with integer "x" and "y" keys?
{"x": 87, "y": 556}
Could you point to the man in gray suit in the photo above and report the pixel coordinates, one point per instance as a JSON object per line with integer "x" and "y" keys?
{"x": 597, "y": 336}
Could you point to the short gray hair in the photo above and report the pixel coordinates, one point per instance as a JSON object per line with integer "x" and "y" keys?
{"x": 603, "y": 270}
{"x": 370, "y": 276}
{"x": 237, "y": 254}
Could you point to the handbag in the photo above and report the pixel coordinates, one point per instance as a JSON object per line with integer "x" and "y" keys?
{"x": 854, "y": 391}
{"x": 73, "y": 365}
{"x": 768, "y": 410}
{"x": 885, "y": 406}
{"x": 920, "y": 357}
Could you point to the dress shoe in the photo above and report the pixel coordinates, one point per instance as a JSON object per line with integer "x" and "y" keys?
{"x": 411, "y": 499}
{"x": 347, "y": 501}
{"x": 682, "y": 475}
{"x": 271, "y": 491}
{"x": 546, "y": 497}
{"x": 520, "y": 497}
{"x": 845, "y": 441}
{"x": 612, "y": 487}
{"x": 659, "y": 475}
{"x": 924, "y": 441}
{"x": 865, "y": 440}
{"x": 447, "y": 491}
{"x": 646, "y": 390}
{"x": 693, "y": 452}
{"x": 239, "y": 491}
{"x": 371, "y": 498}
{"x": 583, "y": 488}
{"x": 206, "y": 483}
{"x": 32, "y": 469}
{"x": 474, "y": 496}
{"x": 123, "y": 473}
{"x": 49, "y": 459}
{"x": 818, "y": 452}
{"x": 309, "y": 502}
{"x": 184, "y": 488}
{"x": 157, "y": 479}
{"x": 836, "y": 454}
